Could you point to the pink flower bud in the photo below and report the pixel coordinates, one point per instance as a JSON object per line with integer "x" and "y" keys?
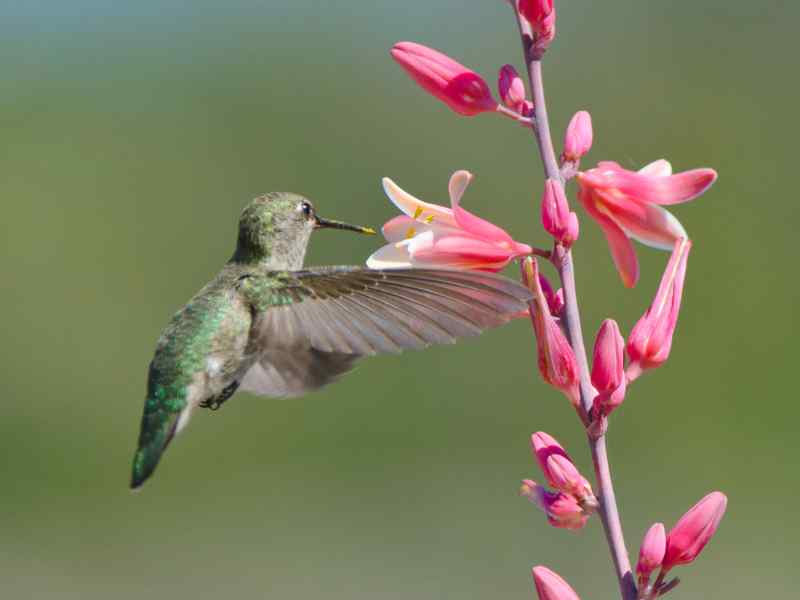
{"x": 693, "y": 531}
{"x": 650, "y": 340}
{"x": 511, "y": 88}
{"x": 558, "y": 468}
{"x": 651, "y": 553}
{"x": 557, "y": 219}
{"x": 462, "y": 89}
{"x": 550, "y": 586}
{"x": 578, "y": 139}
{"x": 541, "y": 14}
{"x": 555, "y": 300}
{"x": 608, "y": 368}
{"x": 562, "y": 510}
{"x": 555, "y": 356}
{"x": 526, "y": 110}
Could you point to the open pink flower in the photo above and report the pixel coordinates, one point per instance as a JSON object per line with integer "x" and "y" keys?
{"x": 627, "y": 205}
{"x": 429, "y": 235}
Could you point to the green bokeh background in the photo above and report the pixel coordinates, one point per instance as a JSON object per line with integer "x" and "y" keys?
{"x": 132, "y": 135}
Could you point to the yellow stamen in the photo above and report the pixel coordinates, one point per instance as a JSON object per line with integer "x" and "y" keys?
{"x": 418, "y": 213}
{"x": 411, "y": 233}
{"x": 429, "y": 219}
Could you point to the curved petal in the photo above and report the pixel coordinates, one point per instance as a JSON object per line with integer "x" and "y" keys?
{"x": 465, "y": 219}
{"x": 621, "y": 247}
{"x": 673, "y": 189}
{"x": 649, "y": 224}
{"x": 391, "y": 256}
{"x": 403, "y": 227}
{"x": 416, "y": 208}
{"x": 657, "y": 168}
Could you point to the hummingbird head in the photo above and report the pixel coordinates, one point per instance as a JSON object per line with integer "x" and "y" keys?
{"x": 275, "y": 228}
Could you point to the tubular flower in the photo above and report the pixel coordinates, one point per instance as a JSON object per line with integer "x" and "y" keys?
{"x": 550, "y": 585}
{"x": 462, "y": 89}
{"x": 429, "y": 235}
{"x": 694, "y": 530}
{"x": 627, "y": 205}
{"x": 650, "y": 340}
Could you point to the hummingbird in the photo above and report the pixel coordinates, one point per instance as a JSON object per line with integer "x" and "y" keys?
{"x": 266, "y": 325}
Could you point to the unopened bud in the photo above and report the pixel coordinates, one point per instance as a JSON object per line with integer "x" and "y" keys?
{"x": 511, "y": 88}
{"x": 557, "y": 218}
{"x": 550, "y": 586}
{"x": 462, "y": 89}
{"x": 562, "y": 510}
{"x": 608, "y": 368}
{"x": 578, "y": 138}
{"x": 693, "y": 530}
{"x": 541, "y": 14}
{"x": 651, "y": 552}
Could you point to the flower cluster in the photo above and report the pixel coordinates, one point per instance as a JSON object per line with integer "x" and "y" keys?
{"x": 628, "y": 206}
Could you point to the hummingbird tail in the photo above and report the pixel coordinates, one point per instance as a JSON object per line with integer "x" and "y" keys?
{"x": 158, "y": 429}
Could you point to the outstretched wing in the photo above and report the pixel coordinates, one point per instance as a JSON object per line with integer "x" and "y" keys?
{"x": 313, "y": 324}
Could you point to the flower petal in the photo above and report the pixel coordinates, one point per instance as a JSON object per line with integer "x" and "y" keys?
{"x": 673, "y": 189}
{"x": 391, "y": 256}
{"x": 416, "y": 208}
{"x": 657, "y": 168}
{"x": 651, "y": 225}
{"x": 621, "y": 247}
{"x": 465, "y": 219}
{"x": 458, "y": 252}
{"x": 403, "y": 227}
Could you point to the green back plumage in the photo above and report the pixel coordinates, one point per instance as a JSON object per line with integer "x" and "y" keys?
{"x": 210, "y": 319}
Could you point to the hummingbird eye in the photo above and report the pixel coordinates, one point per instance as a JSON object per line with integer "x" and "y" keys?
{"x": 306, "y": 209}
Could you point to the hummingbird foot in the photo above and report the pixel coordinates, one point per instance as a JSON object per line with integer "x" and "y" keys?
{"x": 215, "y": 402}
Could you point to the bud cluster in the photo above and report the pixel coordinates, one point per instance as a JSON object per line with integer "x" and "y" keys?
{"x": 572, "y": 500}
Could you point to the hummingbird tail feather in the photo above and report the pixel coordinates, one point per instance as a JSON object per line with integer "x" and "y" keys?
{"x": 158, "y": 429}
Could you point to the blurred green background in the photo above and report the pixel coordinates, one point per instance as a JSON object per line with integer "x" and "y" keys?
{"x": 132, "y": 135}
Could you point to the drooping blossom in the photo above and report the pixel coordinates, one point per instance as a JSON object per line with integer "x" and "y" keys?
{"x": 578, "y": 138}
{"x": 562, "y": 510}
{"x": 550, "y": 585}
{"x": 650, "y": 340}
{"x": 628, "y": 205}
{"x": 694, "y": 530}
{"x": 462, "y": 89}
{"x": 557, "y": 219}
{"x": 555, "y": 356}
{"x": 430, "y": 235}
{"x": 651, "y": 552}
{"x": 608, "y": 368}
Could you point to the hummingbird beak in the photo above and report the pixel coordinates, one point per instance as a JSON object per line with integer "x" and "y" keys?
{"x": 329, "y": 224}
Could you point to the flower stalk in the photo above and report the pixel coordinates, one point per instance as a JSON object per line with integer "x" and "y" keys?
{"x": 562, "y": 259}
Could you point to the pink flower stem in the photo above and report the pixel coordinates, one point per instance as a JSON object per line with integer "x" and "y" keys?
{"x": 562, "y": 259}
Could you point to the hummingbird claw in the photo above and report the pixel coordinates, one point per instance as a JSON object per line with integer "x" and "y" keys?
{"x": 215, "y": 402}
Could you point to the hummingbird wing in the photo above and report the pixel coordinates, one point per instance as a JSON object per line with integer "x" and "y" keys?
{"x": 312, "y": 325}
